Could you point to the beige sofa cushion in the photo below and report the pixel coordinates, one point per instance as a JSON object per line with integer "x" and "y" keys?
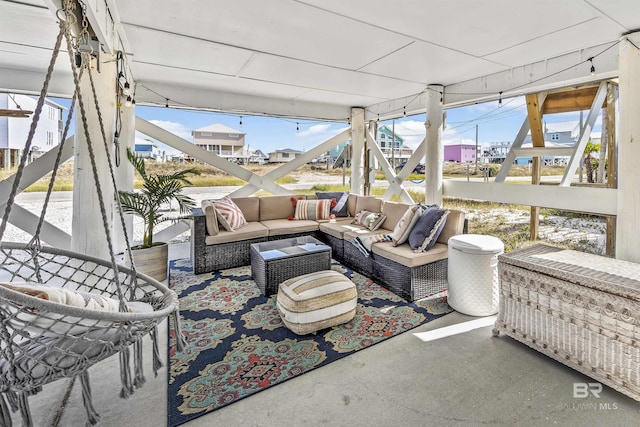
{"x": 453, "y": 226}
{"x": 350, "y": 235}
{"x": 251, "y": 230}
{"x": 277, "y": 207}
{"x": 210, "y": 217}
{"x": 351, "y": 204}
{"x": 368, "y": 203}
{"x": 393, "y": 211}
{"x": 278, "y": 227}
{"x": 404, "y": 255}
{"x": 250, "y": 207}
{"x": 338, "y": 228}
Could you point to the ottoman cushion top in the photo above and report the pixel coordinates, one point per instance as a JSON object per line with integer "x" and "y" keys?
{"x": 316, "y": 300}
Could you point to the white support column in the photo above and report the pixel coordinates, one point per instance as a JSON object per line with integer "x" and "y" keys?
{"x": 435, "y": 150}
{"x": 124, "y": 173}
{"x": 628, "y": 218}
{"x": 88, "y": 235}
{"x": 357, "y": 148}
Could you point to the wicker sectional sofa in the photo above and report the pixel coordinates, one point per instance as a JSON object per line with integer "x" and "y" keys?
{"x": 398, "y": 268}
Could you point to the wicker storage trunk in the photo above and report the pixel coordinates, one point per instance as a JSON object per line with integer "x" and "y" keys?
{"x": 580, "y": 309}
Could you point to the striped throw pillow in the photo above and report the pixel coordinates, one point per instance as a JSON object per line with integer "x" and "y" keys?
{"x": 403, "y": 228}
{"x": 371, "y": 220}
{"x": 229, "y": 214}
{"x": 312, "y": 209}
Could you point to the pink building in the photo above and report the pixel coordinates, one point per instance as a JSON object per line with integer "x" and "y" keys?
{"x": 461, "y": 153}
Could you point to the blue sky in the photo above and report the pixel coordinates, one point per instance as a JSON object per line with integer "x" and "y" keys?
{"x": 495, "y": 123}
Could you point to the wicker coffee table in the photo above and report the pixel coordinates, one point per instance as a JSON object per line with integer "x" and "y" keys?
{"x": 275, "y": 261}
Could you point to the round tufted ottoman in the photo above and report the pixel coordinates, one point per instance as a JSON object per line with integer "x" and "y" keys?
{"x": 473, "y": 274}
{"x": 316, "y": 301}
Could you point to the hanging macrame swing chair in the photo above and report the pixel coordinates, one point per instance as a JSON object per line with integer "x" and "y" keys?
{"x": 61, "y": 311}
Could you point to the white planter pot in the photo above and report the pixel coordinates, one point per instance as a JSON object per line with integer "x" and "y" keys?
{"x": 152, "y": 261}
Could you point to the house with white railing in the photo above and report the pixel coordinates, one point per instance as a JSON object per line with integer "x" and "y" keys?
{"x": 14, "y": 128}
{"x": 283, "y": 155}
{"x": 223, "y": 141}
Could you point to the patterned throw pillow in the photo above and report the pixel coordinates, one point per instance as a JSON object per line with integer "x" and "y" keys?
{"x": 371, "y": 220}
{"x": 403, "y": 228}
{"x": 364, "y": 243}
{"x": 340, "y": 207}
{"x": 229, "y": 214}
{"x": 312, "y": 209}
{"x": 426, "y": 231}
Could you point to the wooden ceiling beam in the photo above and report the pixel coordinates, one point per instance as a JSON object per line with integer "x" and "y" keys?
{"x": 15, "y": 113}
{"x": 535, "y": 119}
{"x": 572, "y": 100}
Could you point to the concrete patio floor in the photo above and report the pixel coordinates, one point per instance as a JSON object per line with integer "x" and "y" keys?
{"x": 469, "y": 378}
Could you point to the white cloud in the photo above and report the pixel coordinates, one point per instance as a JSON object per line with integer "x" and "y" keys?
{"x": 316, "y": 135}
{"x": 451, "y": 136}
{"x": 313, "y": 131}
{"x": 177, "y": 129}
{"x": 411, "y": 131}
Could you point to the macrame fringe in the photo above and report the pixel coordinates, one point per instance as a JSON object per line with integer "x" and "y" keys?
{"x": 25, "y": 412}
{"x": 181, "y": 343}
{"x": 157, "y": 363}
{"x": 92, "y": 415}
{"x": 12, "y": 398}
{"x": 138, "y": 379}
{"x": 5, "y": 415}
{"x": 125, "y": 374}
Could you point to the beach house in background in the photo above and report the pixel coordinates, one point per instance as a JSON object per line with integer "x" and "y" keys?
{"x": 15, "y": 130}
{"x": 257, "y": 156}
{"x": 223, "y": 141}
{"x": 148, "y": 149}
{"x": 392, "y": 146}
{"x": 390, "y": 143}
{"x": 283, "y": 155}
{"x": 460, "y": 153}
{"x": 559, "y": 134}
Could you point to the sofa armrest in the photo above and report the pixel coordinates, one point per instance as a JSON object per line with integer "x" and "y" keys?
{"x": 454, "y": 226}
{"x": 198, "y": 231}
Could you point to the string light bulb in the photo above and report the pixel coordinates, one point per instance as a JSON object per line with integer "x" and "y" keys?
{"x": 404, "y": 111}
{"x": 166, "y": 105}
{"x": 128, "y": 102}
{"x": 378, "y": 117}
{"x": 593, "y": 68}
{"x": 126, "y": 90}
{"x": 297, "y": 127}
{"x": 240, "y": 120}
{"x": 500, "y": 99}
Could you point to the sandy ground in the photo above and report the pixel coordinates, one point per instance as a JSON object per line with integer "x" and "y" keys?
{"x": 588, "y": 232}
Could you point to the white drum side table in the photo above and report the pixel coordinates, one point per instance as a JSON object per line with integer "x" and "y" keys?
{"x": 473, "y": 274}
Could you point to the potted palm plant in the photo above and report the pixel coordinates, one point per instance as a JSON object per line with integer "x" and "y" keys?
{"x": 157, "y": 190}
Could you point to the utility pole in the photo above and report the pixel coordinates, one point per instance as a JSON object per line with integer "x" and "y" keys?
{"x": 476, "y": 149}
{"x": 393, "y": 144}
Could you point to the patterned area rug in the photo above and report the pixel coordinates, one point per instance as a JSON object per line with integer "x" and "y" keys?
{"x": 237, "y": 345}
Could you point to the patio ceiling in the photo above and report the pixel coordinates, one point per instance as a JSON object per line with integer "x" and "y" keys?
{"x": 319, "y": 58}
